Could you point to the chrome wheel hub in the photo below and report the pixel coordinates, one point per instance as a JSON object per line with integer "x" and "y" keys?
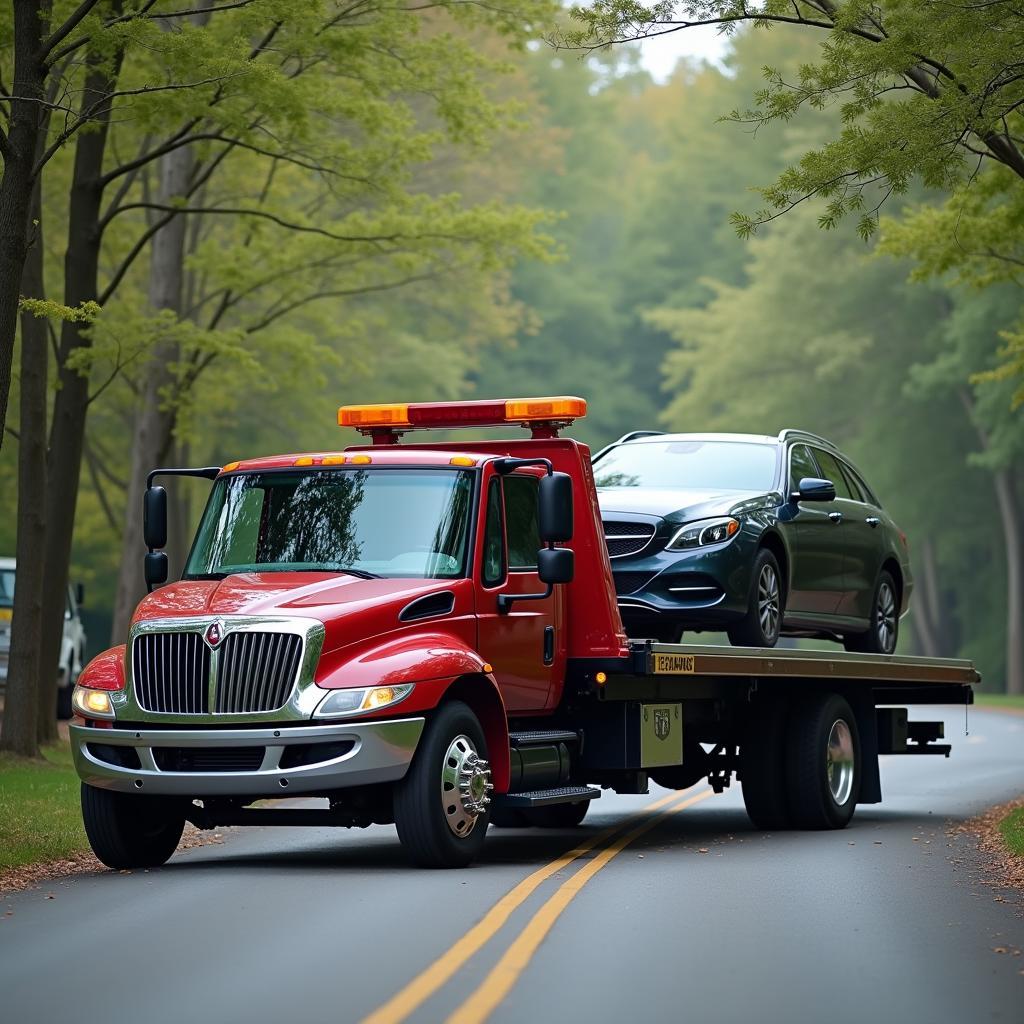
{"x": 885, "y": 618}
{"x": 768, "y": 601}
{"x": 839, "y": 761}
{"x": 465, "y": 785}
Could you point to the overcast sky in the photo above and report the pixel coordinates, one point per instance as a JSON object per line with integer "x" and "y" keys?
{"x": 659, "y": 55}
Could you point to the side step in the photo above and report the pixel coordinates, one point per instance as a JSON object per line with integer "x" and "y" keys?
{"x": 545, "y": 797}
{"x": 545, "y": 736}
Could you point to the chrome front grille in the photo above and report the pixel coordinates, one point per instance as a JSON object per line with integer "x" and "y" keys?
{"x": 253, "y": 671}
{"x": 171, "y": 673}
{"x": 256, "y": 671}
{"x": 625, "y": 538}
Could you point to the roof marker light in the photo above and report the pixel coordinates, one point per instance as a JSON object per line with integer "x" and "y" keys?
{"x": 461, "y": 460}
{"x": 230, "y": 467}
{"x": 305, "y": 460}
{"x": 362, "y": 460}
{"x": 333, "y": 460}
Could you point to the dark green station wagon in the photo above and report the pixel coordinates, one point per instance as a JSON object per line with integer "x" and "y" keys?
{"x": 755, "y": 535}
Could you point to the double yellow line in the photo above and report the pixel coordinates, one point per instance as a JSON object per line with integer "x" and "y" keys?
{"x": 496, "y": 986}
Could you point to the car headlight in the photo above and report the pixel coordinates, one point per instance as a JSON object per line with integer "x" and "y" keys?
{"x": 92, "y": 703}
{"x": 341, "y": 703}
{"x": 704, "y": 532}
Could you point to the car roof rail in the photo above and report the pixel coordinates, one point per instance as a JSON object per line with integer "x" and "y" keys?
{"x": 805, "y": 435}
{"x": 631, "y": 436}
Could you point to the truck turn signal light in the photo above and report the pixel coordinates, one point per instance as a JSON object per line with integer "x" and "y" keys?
{"x": 380, "y": 419}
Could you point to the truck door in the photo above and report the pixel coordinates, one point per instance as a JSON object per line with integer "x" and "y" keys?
{"x": 525, "y": 644}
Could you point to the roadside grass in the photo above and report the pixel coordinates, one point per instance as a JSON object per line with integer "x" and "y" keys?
{"x": 999, "y": 700}
{"x": 40, "y": 819}
{"x": 1012, "y": 830}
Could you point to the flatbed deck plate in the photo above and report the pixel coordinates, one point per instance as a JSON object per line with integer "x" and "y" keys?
{"x": 754, "y": 662}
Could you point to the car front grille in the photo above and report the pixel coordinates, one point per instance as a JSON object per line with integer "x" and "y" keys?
{"x": 256, "y": 671}
{"x": 631, "y": 582}
{"x": 625, "y": 538}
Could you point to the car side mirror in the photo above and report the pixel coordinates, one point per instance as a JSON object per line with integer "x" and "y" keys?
{"x": 813, "y": 488}
{"x": 554, "y": 508}
{"x": 154, "y": 517}
{"x": 555, "y": 565}
{"x": 156, "y": 569}
{"x": 80, "y": 593}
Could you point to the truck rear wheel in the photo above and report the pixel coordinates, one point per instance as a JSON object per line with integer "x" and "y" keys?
{"x": 763, "y": 766}
{"x": 823, "y": 763}
{"x": 441, "y": 804}
{"x": 127, "y": 831}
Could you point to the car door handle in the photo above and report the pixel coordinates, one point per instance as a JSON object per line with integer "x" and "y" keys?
{"x": 836, "y": 517}
{"x": 872, "y": 521}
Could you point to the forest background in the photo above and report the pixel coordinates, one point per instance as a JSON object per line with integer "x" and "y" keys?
{"x": 543, "y": 221}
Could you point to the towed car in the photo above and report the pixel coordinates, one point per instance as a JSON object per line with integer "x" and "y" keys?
{"x": 756, "y": 535}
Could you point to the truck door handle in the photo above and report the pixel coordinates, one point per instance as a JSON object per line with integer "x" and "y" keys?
{"x": 836, "y": 517}
{"x": 549, "y": 645}
{"x": 872, "y": 521}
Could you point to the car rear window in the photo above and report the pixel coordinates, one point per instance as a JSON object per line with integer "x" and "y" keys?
{"x": 690, "y": 463}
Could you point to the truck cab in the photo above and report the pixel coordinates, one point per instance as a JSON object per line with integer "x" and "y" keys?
{"x": 423, "y": 634}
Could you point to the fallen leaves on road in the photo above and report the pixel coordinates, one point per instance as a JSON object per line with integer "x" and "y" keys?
{"x": 1002, "y": 869}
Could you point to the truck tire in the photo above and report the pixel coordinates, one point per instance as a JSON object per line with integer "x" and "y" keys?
{"x": 763, "y": 766}
{"x": 763, "y": 620}
{"x": 823, "y": 762}
{"x": 558, "y": 815}
{"x": 127, "y": 831}
{"x": 441, "y": 804}
{"x": 65, "y": 712}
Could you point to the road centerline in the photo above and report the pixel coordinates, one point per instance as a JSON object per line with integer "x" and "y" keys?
{"x": 436, "y": 974}
{"x": 499, "y": 981}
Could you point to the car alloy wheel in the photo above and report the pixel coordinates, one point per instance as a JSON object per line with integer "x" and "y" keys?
{"x": 885, "y": 617}
{"x": 768, "y": 603}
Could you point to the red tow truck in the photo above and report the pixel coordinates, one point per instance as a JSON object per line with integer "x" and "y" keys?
{"x": 428, "y": 634}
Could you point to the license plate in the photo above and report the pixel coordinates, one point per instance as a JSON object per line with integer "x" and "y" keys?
{"x": 673, "y": 664}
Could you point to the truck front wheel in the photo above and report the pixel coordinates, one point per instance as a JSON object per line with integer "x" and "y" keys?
{"x": 127, "y": 831}
{"x": 441, "y": 804}
{"x": 823, "y": 763}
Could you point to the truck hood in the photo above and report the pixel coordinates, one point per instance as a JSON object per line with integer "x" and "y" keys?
{"x": 325, "y": 597}
{"x": 680, "y": 504}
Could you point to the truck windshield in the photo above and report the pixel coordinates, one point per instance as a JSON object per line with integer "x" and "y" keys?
{"x": 690, "y": 463}
{"x": 378, "y": 522}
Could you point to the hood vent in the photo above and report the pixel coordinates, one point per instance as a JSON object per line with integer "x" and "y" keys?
{"x": 428, "y": 607}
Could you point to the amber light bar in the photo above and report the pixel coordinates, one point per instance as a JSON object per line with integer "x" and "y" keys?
{"x": 373, "y": 419}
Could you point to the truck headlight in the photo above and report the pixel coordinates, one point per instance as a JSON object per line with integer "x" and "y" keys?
{"x": 703, "y": 532}
{"x": 342, "y": 703}
{"x": 92, "y": 703}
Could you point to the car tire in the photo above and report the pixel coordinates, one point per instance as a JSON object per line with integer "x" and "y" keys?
{"x": 127, "y": 831}
{"x": 558, "y": 815}
{"x": 765, "y": 605}
{"x": 823, "y": 763}
{"x": 437, "y": 825}
{"x": 883, "y": 633}
{"x": 763, "y": 766}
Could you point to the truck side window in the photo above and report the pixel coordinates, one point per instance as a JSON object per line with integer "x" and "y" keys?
{"x": 494, "y": 541}
{"x": 800, "y": 465}
{"x": 521, "y": 521}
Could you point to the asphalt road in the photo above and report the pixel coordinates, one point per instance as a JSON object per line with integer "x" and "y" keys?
{"x": 679, "y": 915}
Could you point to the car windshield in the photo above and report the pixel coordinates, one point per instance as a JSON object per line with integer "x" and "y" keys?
{"x": 6, "y": 588}
{"x": 378, "y": 522}
{"x": 703, "y": 465}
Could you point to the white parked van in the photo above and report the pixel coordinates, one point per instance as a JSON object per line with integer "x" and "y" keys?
{"x": 72, "y": 645}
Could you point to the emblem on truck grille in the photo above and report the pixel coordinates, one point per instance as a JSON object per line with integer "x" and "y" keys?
{"x": 662, "y": 723}
{"x": 213, "y": 634}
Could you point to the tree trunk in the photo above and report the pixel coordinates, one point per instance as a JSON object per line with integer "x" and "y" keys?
{"x": 23, "y": 672}
{"x": 27, "y": 114}
{"x": 81, "y": 270}
{"x": 152, "y": 440}
{"x": 1009, "y": 516}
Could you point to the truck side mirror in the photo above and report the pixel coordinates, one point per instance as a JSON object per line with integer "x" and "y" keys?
{"x": 554, "y": 508}
{"x": 156, "y": 569}
{"x": 154, "y": 518}
{"x": 555, "y": 565}
{"x": 79, "y": 594}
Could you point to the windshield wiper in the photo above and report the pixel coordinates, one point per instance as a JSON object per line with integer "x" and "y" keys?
{"x": 362, "y": 574}
{"x": 206, "y": 576}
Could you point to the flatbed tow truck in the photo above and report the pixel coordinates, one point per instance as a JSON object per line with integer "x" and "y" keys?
{"x": 428, "y": 634}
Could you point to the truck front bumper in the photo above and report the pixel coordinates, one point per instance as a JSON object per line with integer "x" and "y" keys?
{"x": 245, "y": 762}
